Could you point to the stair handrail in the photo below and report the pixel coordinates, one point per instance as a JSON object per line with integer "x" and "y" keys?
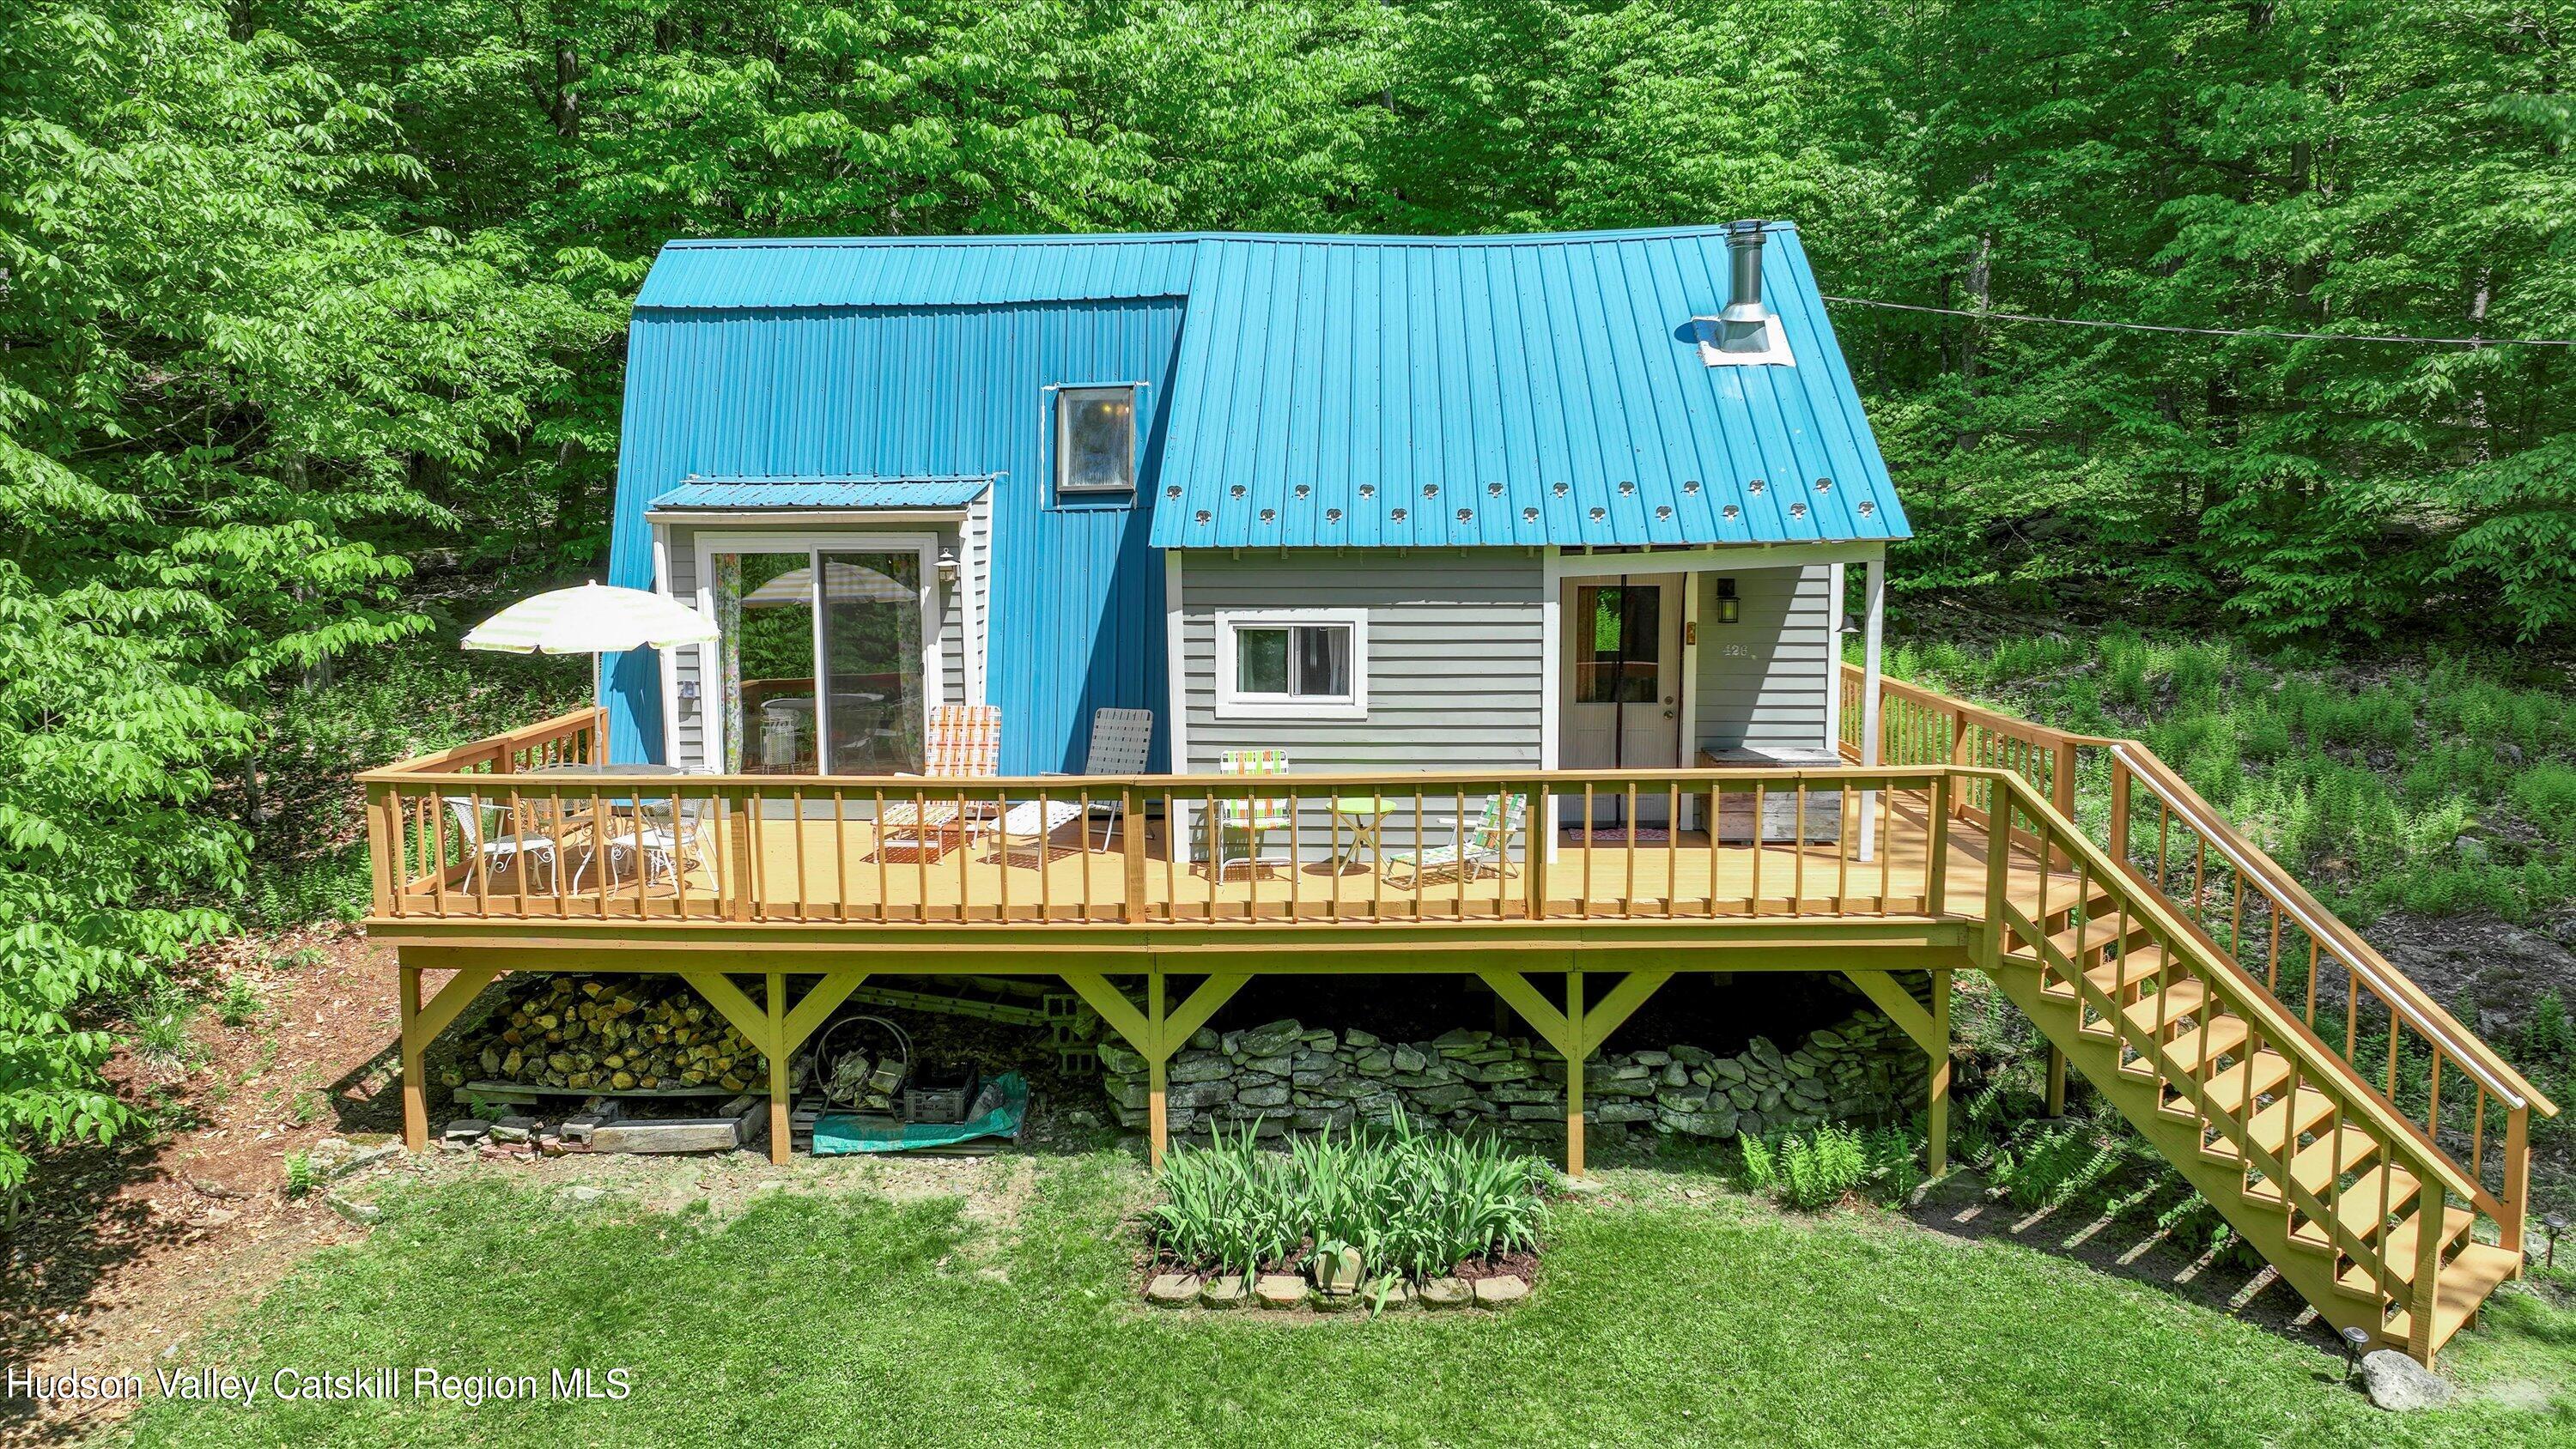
{"x": 2253, "y": 999}
{"x": 2394, "y": 986}
{"x": 2408, "y": 1001}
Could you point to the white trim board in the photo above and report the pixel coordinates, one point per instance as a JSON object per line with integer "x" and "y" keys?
{"x": 1175, "y": 681}
{"x": 1574, "y": 563}
{"x": 661, "y": 662}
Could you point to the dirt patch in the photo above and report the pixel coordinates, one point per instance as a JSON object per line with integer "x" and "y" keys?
{"x": 129, "y": 1249}
{"x": 2487, "y": 971}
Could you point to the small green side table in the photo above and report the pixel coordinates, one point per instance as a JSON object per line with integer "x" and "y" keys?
{"x": 1366, "y": 817}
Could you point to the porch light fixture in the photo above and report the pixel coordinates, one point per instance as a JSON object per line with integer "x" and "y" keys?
{"x": 1730, "y": 609}
{"x": 948, "y": 565}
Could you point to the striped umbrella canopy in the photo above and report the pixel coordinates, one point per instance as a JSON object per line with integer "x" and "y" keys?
{"x": 592, "y": 619}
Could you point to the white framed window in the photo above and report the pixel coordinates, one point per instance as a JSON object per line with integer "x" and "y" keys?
{"x": 1095, "y": 442}
{"x": 1292, "y": 664}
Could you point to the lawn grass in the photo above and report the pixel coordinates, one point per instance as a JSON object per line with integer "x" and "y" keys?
{"x": 857, "y": 1320}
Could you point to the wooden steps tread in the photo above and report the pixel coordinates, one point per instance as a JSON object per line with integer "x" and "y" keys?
{"x": 2230, "y": 1087}
{"x": 2172, "y": 1006}
{"x": 2465, "y": 1283}
{"x": 2080, "y": 941}
{"x": 2399, "y": 1249}
{"x": 2211, "y": 1041}
{"x": 2357, "y": 1201}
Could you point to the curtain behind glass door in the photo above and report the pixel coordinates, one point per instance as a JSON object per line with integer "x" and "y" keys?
{"x": 872, "y": 635}
{"x": 765, "y": 622}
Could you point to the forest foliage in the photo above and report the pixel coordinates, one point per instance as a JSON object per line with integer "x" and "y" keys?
{"x": 294, "y": 293}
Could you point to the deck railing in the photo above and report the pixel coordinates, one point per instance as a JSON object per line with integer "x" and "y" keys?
{"x": 504, "y": 839}
{"x": 2246, "y": 907}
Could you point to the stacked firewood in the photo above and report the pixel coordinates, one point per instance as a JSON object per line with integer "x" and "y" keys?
{"x": 614, "y": 1035}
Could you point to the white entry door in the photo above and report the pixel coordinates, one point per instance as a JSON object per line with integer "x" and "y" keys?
{"x": 1622, "y": 655}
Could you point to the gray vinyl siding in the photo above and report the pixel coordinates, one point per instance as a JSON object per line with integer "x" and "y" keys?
{"x": 1772, "y": 693}
{"x": 691, "y": 732}
{"x": 1454, "y": 677}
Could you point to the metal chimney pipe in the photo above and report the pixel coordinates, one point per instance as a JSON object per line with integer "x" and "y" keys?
{"x": 1744, "y": 324}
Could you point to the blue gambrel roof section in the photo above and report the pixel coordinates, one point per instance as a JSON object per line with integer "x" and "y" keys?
{"x": 1514, "y": 390}
{"x": 713, "y": 493}
{"x": 909, "y": 272}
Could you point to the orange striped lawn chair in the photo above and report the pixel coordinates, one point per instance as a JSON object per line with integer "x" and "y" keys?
{"x": 964, "y": 743}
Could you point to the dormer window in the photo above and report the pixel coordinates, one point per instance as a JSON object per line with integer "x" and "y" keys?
{"x": 1095, "y": 441}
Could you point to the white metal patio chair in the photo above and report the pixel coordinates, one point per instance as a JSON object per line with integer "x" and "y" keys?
{"x": 493, "y": 855}
{"x": 964, "y": 742}
{"x": 1121, "y": 741}
{"x": 1476, "y": 852}
{"x": 662, "y": 845}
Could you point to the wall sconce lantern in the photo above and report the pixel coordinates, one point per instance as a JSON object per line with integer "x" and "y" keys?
{"x": 1730, "y": 609}
{"x": 948, "y": 565}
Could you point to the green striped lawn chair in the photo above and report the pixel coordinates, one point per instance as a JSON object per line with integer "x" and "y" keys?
{"x": 1254, "y": 817}
{"x": 1479, "y": 852}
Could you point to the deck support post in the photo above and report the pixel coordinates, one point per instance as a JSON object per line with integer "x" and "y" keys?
{"x": 1931, "y": 1031}
{"x": 1576, "y": 1031}
{"x": 775, "y": 1043}
{"x": 1158, "y": 1115}
{"x": 2056, "y": 1082}
{"x": 775, "y": 1030}
{"x": 1574, "y": 1056}
{"x": 1936, "y": 1130}
{"x": 421, "y": 1024}
{"x": 2516, "y": 1196}
{"x": 1155, "y": 1033}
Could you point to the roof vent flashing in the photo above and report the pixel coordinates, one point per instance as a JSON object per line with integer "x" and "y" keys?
{"x": 1746, "y": 334}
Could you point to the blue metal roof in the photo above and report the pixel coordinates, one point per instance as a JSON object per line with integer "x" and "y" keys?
{"x": 823, "y": 493}
{"x": 916, "y": 272}
{"x": 1520, "y": 390}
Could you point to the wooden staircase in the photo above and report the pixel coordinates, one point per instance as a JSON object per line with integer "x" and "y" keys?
{"x": 2355, "y": 1206}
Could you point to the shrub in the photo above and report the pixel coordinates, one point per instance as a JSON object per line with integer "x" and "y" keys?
{"x": 1822, "y": 1168}
{"x": 1761, "y": 1169}
{"x": 1410, "y": 1202}
{"x": 240, "y": 1005}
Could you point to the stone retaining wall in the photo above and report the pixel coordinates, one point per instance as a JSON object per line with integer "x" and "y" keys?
{"x": 1283, "y": 1076}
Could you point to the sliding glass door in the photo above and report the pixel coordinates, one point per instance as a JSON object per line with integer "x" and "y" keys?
{"x": 821, "y": 663}
{"x": 872, "y": 652}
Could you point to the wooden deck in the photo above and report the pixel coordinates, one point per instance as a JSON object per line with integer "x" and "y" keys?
{"x": 784, "y": 871}
{"x": 2168, "y": 960}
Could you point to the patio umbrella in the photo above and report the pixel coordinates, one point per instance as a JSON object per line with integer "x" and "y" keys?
{"x": 591, "y": 620}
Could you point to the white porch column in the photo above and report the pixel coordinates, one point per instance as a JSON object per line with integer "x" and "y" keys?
{"x": 1874, "y": 590}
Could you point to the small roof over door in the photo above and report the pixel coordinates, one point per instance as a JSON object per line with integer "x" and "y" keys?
{"x": 743, "y": 495}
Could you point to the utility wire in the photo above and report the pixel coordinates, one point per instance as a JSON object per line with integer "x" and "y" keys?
{"x": 2211, "y": 331}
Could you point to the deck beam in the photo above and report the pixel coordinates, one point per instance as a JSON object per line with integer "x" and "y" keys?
{"x": 1155, "y": 1033}
{"x": 1576, "y": 1031}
